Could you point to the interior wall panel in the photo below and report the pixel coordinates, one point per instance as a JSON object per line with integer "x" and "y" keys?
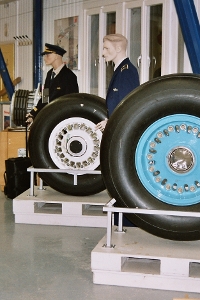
{"x": 24, "y": 51}
{"x": 25, "y": 6}
{"x": 8, "y": 10}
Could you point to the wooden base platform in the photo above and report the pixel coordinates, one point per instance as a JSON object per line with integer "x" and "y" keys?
{"x": 139, "y": 259}
{"x": 50, "y": 207}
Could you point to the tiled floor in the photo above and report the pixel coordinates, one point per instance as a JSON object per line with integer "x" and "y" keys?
{"x": 41, "y": 262}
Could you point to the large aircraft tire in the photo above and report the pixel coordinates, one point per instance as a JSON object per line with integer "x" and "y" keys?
{"x": 63, "y": 136}
{"x": 150, "y": 155}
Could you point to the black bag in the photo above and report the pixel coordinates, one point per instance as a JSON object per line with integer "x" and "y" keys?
{"x": 17, "y": 178}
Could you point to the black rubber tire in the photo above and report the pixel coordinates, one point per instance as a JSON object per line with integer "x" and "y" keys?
{"x": 167, "y": 95}
{"x": 19, "y": 108}
{"x": 85, "y": 106}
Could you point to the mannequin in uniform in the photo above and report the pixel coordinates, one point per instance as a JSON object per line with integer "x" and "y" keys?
{"x": 125, "y": 77}
{"x": 59, "y": 80}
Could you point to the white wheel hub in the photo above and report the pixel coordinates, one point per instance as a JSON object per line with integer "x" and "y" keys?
{"x": 74, "y": 144}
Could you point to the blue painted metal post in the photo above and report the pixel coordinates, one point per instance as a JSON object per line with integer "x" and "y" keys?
{"x": 190, "y": 27}
{"x": 37, "y": 41}
{"x": 6, "y": 77}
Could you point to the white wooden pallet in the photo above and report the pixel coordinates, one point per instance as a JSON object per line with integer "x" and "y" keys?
{"x": 50, "y": 207}
{"x": 139, "y": 259}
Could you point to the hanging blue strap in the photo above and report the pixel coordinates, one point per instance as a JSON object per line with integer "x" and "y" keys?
{"x": 190, "y": 27}
{"x": 6, "y": 77}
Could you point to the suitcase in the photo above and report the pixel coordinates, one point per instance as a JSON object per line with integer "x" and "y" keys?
{"x": 17, "y": 178}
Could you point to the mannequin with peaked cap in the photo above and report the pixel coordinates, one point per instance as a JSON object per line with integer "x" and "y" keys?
{"x": 59, "y": 80}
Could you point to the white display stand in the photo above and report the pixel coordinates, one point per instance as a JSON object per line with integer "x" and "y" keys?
{"x": 50, "y": 207}
{"x": 40, "y": 205}
{"x": 132, "y": 257}
{"x": 142, "y": 260}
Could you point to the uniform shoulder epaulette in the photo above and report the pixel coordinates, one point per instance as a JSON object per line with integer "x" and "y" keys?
{"x": 125, "y": 67}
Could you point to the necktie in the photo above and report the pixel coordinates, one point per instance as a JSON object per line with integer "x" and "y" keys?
{"x": 53, "y": 75}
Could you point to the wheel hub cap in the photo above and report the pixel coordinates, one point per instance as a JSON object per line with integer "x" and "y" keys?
{"x": 181, "y": 159}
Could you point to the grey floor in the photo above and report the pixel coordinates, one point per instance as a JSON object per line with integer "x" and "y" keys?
{"x": 53, "y": 263}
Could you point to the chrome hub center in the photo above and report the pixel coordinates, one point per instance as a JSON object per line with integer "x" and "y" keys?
{"x": 181, "y": 159}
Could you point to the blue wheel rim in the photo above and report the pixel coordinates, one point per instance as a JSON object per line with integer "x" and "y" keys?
{"x": 167, "y": 159}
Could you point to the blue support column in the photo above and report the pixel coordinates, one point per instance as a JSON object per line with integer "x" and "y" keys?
{"x": 6, "y": 77}
{"x": 190, "y": 27}
{"x": 37, "y": 41}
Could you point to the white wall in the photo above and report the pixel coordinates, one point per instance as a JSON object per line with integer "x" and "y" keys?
{"x": 16, "y": 19}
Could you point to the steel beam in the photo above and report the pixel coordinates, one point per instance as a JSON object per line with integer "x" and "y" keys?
{"x": 37, "y": 42}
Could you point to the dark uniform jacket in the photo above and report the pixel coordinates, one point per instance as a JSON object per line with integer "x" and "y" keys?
{"x": 125, "y": 78}
{"x": 64, "y": 83}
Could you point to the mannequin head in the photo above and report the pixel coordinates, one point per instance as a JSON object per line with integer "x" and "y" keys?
{"x": 114, "y": 47}
{"x": 53, "y": 59}
{"x": 53, "y": 55}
